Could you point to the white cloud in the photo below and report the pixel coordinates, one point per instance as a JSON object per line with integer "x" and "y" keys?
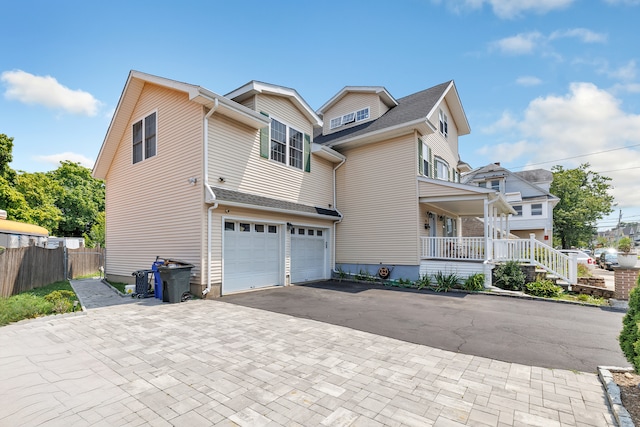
{"x": 528, "y": 81}
{"x": 520, "y": 44}
{"x": 627, "y": 72}
{"x": 30, "y": 89}
{"x": 508, "y": 9}
{"x": 586, "y": 120}
{"x": 505, "y": 152}
{"x": 504, "y": 124}
{"x": 587, "y": 36}
{"x": 55, "y": 159}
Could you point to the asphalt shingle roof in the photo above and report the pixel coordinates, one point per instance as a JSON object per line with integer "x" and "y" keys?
{"x": 409, "y": 108}
{"x": 225, "y": 195}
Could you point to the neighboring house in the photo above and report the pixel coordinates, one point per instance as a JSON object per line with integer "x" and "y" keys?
{"x": 256, "y": 189}
{"x": 527, "y": 192}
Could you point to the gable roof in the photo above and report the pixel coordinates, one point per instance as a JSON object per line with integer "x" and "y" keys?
{"x": 254, "y": 87}
{"x": 127, "y": 103}
{"x": 382, "y": 93}
{"x": 411, "y": 112}
{"x": 500, "y": 171}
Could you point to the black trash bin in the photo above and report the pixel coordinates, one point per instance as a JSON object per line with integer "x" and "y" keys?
{"x": 143, "y": 289}
{"x": 175, "y": 281}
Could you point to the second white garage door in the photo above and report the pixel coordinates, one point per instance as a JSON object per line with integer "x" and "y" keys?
{"x": 252, "y": 256}
{"x": 308, "y": 254}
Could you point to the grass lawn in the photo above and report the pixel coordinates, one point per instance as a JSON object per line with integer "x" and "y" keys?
{"x": 118, "y": 285}
{"x": 55, "y": 298}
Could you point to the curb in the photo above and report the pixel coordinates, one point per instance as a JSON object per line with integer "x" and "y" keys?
{"x": 613, "y": 394}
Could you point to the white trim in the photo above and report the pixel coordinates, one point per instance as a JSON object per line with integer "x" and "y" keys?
{"x": 278, "y": 210}
{"x": 142, "y": 119}
{"x": 422, "y": 125}
{"x": 287, "y": 153}
{"x": 378, "y": 90}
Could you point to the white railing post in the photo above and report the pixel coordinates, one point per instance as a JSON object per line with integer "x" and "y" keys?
{"x": 532, "y": 248}
{"x": 573, "y": 268}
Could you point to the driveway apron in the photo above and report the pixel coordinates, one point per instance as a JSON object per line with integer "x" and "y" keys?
{"x": 206, "y": 362}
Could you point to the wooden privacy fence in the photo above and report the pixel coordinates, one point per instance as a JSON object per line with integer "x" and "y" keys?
{"x": 23, "y": 269}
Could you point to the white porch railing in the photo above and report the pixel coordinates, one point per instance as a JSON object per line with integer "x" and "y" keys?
{"x": 499, "y": 250}
{"x": 461, "y": 248}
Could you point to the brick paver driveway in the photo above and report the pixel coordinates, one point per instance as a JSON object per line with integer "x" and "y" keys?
{"x": 214, "y": 363}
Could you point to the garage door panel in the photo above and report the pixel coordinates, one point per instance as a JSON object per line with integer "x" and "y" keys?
{"x": 252, "y": 256}
{"x": 308, "y": 255}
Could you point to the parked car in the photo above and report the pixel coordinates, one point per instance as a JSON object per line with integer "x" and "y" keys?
{"x": 608, "y": 260}
{"x": 583, "y": 257}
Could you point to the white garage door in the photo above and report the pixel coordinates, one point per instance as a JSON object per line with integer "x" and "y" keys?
{"x": 308, "y": 254}
{"x": 251, "y": 256}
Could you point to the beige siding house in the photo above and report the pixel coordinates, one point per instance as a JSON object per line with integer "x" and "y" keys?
{"x": 256, "y": 189}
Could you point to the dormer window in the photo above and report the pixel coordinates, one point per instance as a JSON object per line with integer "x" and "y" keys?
{"x": 444, "y": 124}
{"x": 362, "y": 114}
{"x": 355, "y": 116}
{"x": 348, "y": 118}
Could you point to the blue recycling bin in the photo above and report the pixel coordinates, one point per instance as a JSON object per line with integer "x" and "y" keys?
{"x": 157, "y": 282}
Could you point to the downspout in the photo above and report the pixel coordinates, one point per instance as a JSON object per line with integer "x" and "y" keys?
{"x": 210, "y": 191}
{"x": 335, "y": 206}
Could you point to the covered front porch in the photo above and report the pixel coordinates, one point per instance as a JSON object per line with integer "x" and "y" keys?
{"x": 443, "y": 248}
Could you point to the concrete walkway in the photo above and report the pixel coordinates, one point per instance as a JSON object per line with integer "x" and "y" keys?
{"x": 202, "y": 363}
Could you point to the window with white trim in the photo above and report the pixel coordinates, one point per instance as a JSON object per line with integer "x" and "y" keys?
{"x": 362, "y": 114}
{"x": 518, "y": 209}
{"x": 494, "y": 184}
{"x": 337, "y": 122}
{"x": 444, "y": 124}
{"x": 287, "y": 145}
{"x": 355, "y": 116}
{"x": 348, "y": 118}
{"x": 442, "y": 169}
{"x": 536, "y": 209}
{"x": 426, "y": 160}
{"x": 144, "y": 138}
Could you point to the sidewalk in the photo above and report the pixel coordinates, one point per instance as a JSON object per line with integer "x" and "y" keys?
{"x": 206, "y": 362}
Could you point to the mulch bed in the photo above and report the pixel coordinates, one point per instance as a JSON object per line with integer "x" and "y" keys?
{"x": 629, "y": 393}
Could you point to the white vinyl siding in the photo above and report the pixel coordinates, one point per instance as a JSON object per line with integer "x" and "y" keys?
{"x": 234, "y": 155}
{"x": 377, "y": 196}
{"x": 140, "y": 222}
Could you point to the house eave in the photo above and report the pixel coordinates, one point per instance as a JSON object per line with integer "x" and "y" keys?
{"x": 421, "y": 125}
{"x": 384, "y": 95}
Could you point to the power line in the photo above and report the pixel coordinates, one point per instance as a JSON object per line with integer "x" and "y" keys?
{"x": 575, "y": 157}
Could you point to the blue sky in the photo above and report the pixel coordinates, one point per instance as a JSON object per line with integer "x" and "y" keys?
{"x": 543, "y": 82}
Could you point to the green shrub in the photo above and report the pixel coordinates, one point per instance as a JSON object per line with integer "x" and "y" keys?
{"x": 474, "y": 282}
{"x": 509, "y": 276}
{"x": 405, "y": 283}
{"x": 424, "y": 282}
{"x": 543, "y": 288}
{"x": 22, "y": 306}
{"x": 61, "y": 300}
{"x": 445, "y": 282}
{"x": 630, "y": 336}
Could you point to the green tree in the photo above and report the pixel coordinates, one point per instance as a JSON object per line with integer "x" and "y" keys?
{"x": 6, "y": 157}
{"x": 96, "y": 235}
{"x": 40, "y": 193}
{"x": 584, "y": 199}
{"x": 80, "y": 201}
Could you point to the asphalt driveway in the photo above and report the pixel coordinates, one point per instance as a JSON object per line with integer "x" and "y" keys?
{"x": 539, "y": 333}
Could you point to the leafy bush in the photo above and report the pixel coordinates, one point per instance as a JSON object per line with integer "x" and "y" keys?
{"x": 474, "y": 282}
{"x": 630, "y": 336}
{"x": 424, "y": 282}
{"x": 445, "y": 282}
{"x": 54, "y": 298}
{"x": 509, "y": 276}
{"x": 405, "y": 283}
{"x": 61, "y": 301}
{"x": 624, "y": 245}
{"x": 543, "y": 288}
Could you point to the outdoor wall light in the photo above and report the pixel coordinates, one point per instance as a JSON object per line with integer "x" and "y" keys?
{"x": 426, "y": 226}
{"x": 289, "y": 226}
{"x": 221, "y": 179}
{"x": 193, "y": 180}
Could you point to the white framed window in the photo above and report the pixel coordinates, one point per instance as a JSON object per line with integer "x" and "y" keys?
{"x": 494, "y": 184}
{"x": 287, "y": 145}
{"x": 144, "y": 138}
{"x": 518, "y": 209}
{"x": 426, "y": 160}
{"x": 337, "y": 122}
{"x": 442, "y": 169}
{"x": 348, "y": 118}
{"x": 444, "y": 124}
{"x": 362, "y": 114}
{"x": 536, "y": 209}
